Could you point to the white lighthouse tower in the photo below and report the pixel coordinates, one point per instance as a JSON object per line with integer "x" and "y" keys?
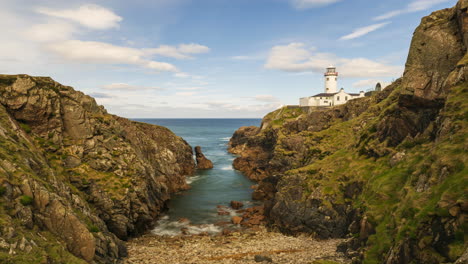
{"x": 331, "y": 78}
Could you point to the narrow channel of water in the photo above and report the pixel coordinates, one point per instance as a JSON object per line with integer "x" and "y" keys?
{"x": 210, "y": 188}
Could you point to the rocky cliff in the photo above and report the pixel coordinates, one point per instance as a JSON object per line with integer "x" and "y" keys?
{"x": 387, "y": 171}
{"x": 74, "y": 180}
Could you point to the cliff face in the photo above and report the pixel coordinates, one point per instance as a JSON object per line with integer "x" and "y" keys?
{"x": 75, "y": 179}
{"x": 387, "y": 171}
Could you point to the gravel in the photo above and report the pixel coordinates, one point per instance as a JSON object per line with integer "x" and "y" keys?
{"x": 238, "y": 247}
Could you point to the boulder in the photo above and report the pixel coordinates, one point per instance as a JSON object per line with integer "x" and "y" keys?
{"x": 202, "y": 162}
{"x": 261, "y": 258}
{"x": 236, "y": 220}
{"x": 236, "y": 205}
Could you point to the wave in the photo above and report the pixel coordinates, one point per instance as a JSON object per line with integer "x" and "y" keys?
{"x": 192, "y": 179}
{"x": 165, "y": 227}
{"x": 229, "y": 167}
{"x": 225, "y": 139}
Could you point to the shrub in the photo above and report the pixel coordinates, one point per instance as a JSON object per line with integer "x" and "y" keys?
{"x": 26, "y": 200}
{"x": 26, "y": 128}
{"x": 2, "y": 190}
{"x": 92, "y": 228}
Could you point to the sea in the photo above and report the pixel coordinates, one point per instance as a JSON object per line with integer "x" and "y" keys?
{"x": 209, "y": 188}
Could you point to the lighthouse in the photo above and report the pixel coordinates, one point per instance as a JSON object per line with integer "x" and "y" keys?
{"x": 331, "y": 78}
{"x": 330, "y": 97}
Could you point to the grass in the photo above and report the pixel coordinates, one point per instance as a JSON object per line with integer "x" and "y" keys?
{"x": 339, "y": 155}
{"x": 26, "y": 200}
{"x": 26, "y": 128}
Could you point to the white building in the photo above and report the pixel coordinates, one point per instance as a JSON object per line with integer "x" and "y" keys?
{"x": 330, "y": 97}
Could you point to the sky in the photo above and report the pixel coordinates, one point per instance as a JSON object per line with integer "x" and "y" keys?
{"x": 208, "y": 58}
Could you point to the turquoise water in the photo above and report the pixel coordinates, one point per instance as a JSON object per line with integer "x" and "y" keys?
{"x": 210, "y": 188}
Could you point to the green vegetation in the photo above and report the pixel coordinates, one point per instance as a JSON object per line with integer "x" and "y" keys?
{"x": 279, "y": 116}
{"x": 26, "y": 200}
{"x": 93, "y": 228}
{"x": 322, "y": 261}
{"x": 399, "y": 200}
{"x": 2, "y": 190}
{"x": 26, "y": 128}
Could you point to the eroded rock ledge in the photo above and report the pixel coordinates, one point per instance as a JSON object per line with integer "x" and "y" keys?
{"x": 71, "y": 174}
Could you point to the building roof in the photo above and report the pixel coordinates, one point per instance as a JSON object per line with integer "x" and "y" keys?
{"x": 332, "y": 94}
{"x": 324, "y": 94}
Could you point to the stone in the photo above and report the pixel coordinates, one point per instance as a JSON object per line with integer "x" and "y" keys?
{"x": 261, "y": 258}
{"x": 236, "y": 204}
{"x": 236, "y": 220}
{"x": 399, "y": 156}
{"x": 202, "y": 162}
{"x": 184, "y": 220}
{"x": 72, "y": 161}
{"x": 226, "y": 232}
{"x": 454, "y": 211}
{"x": 4, "y": 244}
{"x": 185, "y": 231}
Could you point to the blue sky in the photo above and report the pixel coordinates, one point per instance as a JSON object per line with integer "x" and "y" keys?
{"x": 208, "y": 58}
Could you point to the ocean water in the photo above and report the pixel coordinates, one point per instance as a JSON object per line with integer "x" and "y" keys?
{"x": 210, "y": 188}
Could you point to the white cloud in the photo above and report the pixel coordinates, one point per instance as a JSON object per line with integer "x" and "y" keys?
{"x": 293, "y": 57}
{"x": 251, "y": 57}
{"x": 190, "y": 88}
{"x": 413, "y": 6}
{"x": 370, "y": 83}
{"x": 296, "y": 57}
{"x": 193, "y": 48}
{"x": 359, "y": 32}
{"x": 241, "y": 58}
{"x": 419, "y": 5}
{"x": 182, "y": 75}
{"x": 92, "y": 16}
{"x": 266, "y": 98}
{"x": 186, "y": 93}
{"x": 365, "y": 83}
{"x": 227, "y": 106}
{"x": 389, "y": 15}
{"x": 126, "y": 86}
{"x": 304, "y": 4}
{"x": 180, "y": 52}
{"x": 52, "y": 31}
{"x": 101, "y": 95}
{"x": 105, "y": 53}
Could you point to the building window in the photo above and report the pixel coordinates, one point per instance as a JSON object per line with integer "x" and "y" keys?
{"x": 337, "y": 98}
{"x": 346, "y": 98}
{"x": 328, "y": 89}
{"x": 335, "y": 78}
{"x": 328, "y": 79}
{"x": 320, "y": 98}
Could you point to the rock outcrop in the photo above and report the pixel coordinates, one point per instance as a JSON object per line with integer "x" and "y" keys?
{"x": 75, "y": 179}
{"x": 388, "y": 171}
{"x": 202, "y": 162}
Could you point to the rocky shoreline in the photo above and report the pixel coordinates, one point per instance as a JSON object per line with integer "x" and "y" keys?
{"x": 248, "y": 246}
